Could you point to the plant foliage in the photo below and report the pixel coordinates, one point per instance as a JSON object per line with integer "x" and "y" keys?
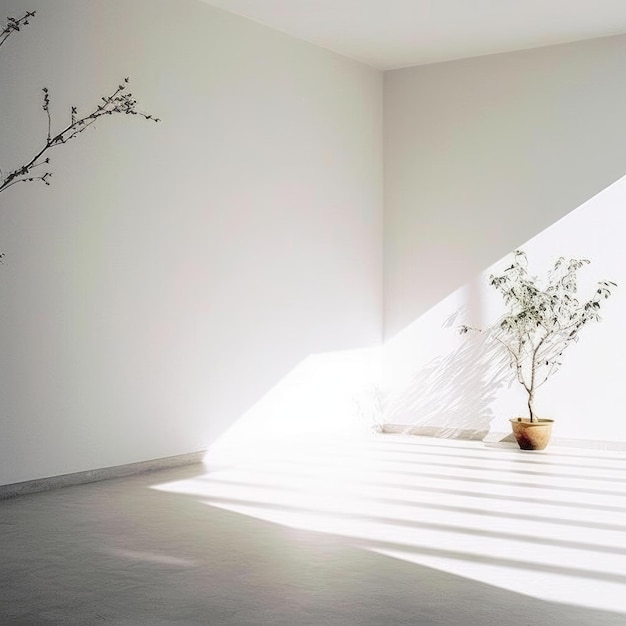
{"x": 542, "y": 320}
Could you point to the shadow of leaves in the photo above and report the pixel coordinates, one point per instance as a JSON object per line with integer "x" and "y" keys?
{"x": 452, "y": 395}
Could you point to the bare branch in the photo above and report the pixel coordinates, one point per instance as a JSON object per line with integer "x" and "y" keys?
{"x": 14, "y": 25}
{"x": 120, "y": 101}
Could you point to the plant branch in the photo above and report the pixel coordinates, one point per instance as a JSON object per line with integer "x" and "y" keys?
{"x": 542, "y": 321}
{"x": 121, "y": 101}
{"x": 14, "y": 25}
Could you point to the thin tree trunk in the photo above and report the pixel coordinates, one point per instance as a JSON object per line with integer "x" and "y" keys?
{"x": 531, "y": 398}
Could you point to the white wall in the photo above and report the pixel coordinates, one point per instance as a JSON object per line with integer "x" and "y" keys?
{"x": 174, "y": 273}
{"x": 482, "y": 156}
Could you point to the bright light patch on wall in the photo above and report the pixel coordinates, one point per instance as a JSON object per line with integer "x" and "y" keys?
{"x": 325, "y": 396}
{"x": 529, "y": 523}
{"x": 434, "y": 378}
{"x": 305, "y": 457}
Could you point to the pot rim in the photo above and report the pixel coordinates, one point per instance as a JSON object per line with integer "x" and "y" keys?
{"x": 526, "y": 420}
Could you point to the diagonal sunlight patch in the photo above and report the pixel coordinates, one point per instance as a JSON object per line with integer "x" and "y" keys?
{"x": 529, "y": 523}
{"x": 550, "y": 524}
{"x": 437, "y": 381}
{"x": 325, "y": 396}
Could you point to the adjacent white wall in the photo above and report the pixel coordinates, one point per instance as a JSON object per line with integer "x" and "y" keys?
{"x": 481, "y": 156}
{"x": 174, "y": 273}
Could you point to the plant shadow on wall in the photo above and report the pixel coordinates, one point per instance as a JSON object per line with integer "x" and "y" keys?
{"x": 37, "y": 167}
{"x": 451, "y": 396}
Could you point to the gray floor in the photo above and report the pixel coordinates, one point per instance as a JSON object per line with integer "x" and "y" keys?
{"x": 193, "y": 546}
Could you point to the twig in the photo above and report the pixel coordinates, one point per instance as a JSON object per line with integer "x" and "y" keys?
{"x": 121, "y": 101}
{"x": 15, "y": 24}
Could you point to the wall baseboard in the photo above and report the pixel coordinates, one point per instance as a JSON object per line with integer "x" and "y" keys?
{"x": 433, "y": 431}
{"x": 497, "y": 438}
{"x": 96, "y": 475}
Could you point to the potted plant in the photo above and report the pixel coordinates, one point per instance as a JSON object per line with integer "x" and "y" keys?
{"x": 541, "y": 322}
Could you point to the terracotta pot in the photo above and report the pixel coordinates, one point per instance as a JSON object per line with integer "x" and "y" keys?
{"x": 531, "y": 435}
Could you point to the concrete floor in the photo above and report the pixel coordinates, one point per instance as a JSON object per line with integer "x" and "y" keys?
{"x": 381, "y": 532}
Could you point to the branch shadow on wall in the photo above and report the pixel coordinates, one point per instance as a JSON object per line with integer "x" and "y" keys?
{"x": 452, "y": 395}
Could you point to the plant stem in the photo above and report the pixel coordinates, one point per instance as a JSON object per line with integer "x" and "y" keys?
{"x": 533, "y": 371}
{"x": 531, "y": 397}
